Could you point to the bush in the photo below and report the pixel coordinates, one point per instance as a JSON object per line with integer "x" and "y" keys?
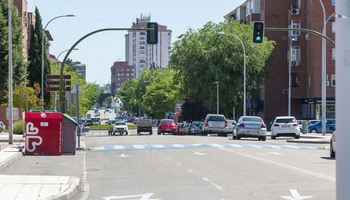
{"x": 18, "y": 128}
{"x": 2, "y": 129}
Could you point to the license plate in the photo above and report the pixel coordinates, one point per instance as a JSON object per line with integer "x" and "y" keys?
{"x": 120, "y": 129}
{"x": 252, "y": 131}
{"x": 168, "y": 129}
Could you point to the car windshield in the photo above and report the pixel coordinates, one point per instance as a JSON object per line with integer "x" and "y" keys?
{"x": 251, "y": 119}
{"x": 120, "y": 123}
{"x": 168, "y": 122}
{"x": 216, "y": 118}
{"x": 286, "y": 120}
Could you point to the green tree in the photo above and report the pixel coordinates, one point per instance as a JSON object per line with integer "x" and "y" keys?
{"x": 203, "y": 57}
{"x": 34, "y": 57}
{"x": 19, "y": 75}
{"x": 24, "y": 96}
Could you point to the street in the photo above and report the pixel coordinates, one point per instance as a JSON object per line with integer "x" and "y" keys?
{"x": 191, "y": 167}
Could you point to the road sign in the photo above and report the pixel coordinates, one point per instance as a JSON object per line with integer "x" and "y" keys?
{"x": 57, "y": 77}
{"x": 125, "y": 117}
{"x": 15, "y": 114}
{"x": 125, "y": 112}
{"x": 56, "y": 89}
{"x": 172, "y": 115}
{"x": 167, "y": 114}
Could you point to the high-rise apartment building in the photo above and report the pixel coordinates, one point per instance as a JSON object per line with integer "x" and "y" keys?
{"x": 306, "y": 57}
{"x": 121, "y": 72}
{"x": 81, "y": 67}
{"x": 141, "y": 55}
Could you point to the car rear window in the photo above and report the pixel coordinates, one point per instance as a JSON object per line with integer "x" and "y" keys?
{"x": 216, "y": 118}
{"x": 286, "y": 120}
{"x": 167, "y": 122}
{"x": 120, "y": 123}
{"x": 251, "y": 119}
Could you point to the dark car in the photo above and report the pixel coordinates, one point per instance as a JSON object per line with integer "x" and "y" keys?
{"x": 167, "y": 126}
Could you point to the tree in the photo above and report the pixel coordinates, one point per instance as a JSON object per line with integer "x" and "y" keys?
{"x": 34, "y": 57}
{"x": 203, "y": 57}
{"x": 24, "y": 96}
{"x": 19, "y": 76}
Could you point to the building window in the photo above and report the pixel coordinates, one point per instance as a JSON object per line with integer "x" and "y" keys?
{"x": 118, "y": 74}
{"x": 142, "y": 47}
{"x": 294, "y": 24}
{"x": 142, "y": 33}
{"x": 333, "y": 53}
{"x": 333, "y": 27}
{"x": 127, "y": 74}
{"x": 333, "y": 80}
{"x": 142, "y": 38}
{"x": 127, "y": 70}
{"x": 142, "y": 42}
{"x": 295, "y": 54}
{"x": 142, "y": 61}
{"x": 118, "y": 79}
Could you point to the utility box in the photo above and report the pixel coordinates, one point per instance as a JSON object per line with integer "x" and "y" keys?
{"x": 43, "y": 133}
{"x": 69, "y": 134}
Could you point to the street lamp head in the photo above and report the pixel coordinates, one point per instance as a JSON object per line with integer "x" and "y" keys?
{"x": 71, "y": 15}
{"x": 221, "y": 33}
{"x": 217, "y": 82}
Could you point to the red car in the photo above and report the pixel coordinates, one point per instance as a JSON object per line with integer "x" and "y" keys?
{"x": 167, "y": 126}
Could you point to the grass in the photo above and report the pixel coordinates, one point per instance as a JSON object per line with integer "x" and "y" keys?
{"x": 132, "y": 126}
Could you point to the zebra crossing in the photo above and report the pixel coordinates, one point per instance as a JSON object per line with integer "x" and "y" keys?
{"x": 193, "y": 146}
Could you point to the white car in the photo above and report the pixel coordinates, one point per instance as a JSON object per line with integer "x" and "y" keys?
{"x": 121, "y": 128}
{"x": 231, "y": 124}
{"x": 285, "y": 126}
{"x": 332, "y": 146}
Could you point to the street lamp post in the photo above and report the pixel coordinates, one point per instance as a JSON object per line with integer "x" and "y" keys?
{"x": 56, "y": 72}
{"x": 289, "y": 75}
{"x": 42, "y": 56}
{"x": 217, "y": 96}
{"x": 244, "y": 73}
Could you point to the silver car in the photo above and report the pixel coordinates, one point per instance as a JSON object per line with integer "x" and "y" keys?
{"x": 215, "y": 123}
{"x": 250, "y": 126}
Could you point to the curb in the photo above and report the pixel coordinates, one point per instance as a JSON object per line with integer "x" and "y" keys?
{"x": 10, "y": 160}
{"x": 71, "y": 193}
{"x": 313, "y": 141}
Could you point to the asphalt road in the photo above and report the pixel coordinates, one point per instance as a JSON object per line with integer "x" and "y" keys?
{"x": 205, "y": 167}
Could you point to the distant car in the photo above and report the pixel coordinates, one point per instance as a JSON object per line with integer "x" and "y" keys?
{"x": 250, "y": 126}
{"x": 313, "y": 121}
{"x": 231, "y": 124}
{"x": 332, "y": 145}
{"x": 120, "y": 127}
{"x": 300, "y": 122}
{"x": 215, "y": 123}
{"x": 285, "y": 126}
{"x": 196, "y": 127}
{"x": 2, "y": 125}
{"x": 167, "y": 126}
{"x": 317, "y": 127}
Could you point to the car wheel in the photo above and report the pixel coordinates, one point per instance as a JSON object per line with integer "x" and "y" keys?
{"x": 273, "y": 137}
{"x": 159, "y": 133}
{"x": 238, "y": 137}
{"x": 225, "y": 134}
{"x": 263, "y": 138}
{"x": 297, "y": 137}
{"x": 234, "y": 137}
{"x": 150, "y": 132}
{"x": 332, "y": 153}
{"x": 313, "y": 131}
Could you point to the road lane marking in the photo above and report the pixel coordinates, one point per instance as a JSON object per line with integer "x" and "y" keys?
{"x": 295, "y": 195}
{"x": 192, "y": 146}
{"x": 190, "y": 170}
{"x": 283, "y": 165}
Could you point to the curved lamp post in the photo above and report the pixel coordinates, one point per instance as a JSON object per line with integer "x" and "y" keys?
{"x": 244, "y": 76}
{"x": 42, "y": 56}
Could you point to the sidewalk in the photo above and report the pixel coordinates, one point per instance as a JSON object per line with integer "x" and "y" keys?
{"x": 31, "y": 187}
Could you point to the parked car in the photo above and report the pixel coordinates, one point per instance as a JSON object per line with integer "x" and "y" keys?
{"x": 196, "y": 127}
{"x": 317, "y": 127}
{"x": 167, "y": 126}
{"x": 121, "y": 128}
{"x": 185, "y": 128}
{"x": 313, "y": 121}
{"x": 231, "y": 124}
{"x": 2, "y": 125}
{"x": 285, "y": 126}
{"x": 250, "y": 126}
{"x": 215, "y": 123}
{"x": 332, "y": 145}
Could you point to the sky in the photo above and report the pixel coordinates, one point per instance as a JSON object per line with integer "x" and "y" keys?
{"x": 101, "y": 50}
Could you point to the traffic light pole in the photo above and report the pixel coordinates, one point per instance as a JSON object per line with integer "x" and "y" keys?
{"x": 61, "y": 92}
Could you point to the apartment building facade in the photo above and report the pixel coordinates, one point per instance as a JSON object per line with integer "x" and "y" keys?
{"x": 121, "y": 72}
{"x": 81, "y": 67}
{"x": 141, "y": 55}
{"x": 304, "y": 50}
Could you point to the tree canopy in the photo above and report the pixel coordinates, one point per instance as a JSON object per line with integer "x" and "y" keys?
{"x": 203, "y": 57}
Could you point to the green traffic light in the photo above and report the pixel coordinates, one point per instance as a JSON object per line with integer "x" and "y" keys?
{"x": 258, "y": 38}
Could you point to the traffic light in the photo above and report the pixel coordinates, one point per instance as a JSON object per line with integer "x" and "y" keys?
{"x": 152, "y": 35}
{"x": 258, "y": 32}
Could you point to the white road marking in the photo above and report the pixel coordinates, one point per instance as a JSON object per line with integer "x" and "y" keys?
{"x": 200, "y": 154}
{"x": 295, "y": 196}
{"x": 178, "y": 145}
{"x": 140, "y": 196}
{"x": 84, "y": 169}
{"x": 270, "y": 153}
{"x": 118, "y": 147}
{"x": 293, "y": 147}
{"x": 206, "y": 179}
{"x": 191, "y": 171}
{"x": 123, "y": 156}
{"x": 138, "y": 146}
{"x": 216, "y": 145}
{"x": 283, "y": 165}
{"x": 214, "y": 184}
{"x": 255, "y": 146}
{"x": 275, "y": 146}
{"x": 179, "y": 164}
{"x": 158, "y": 146}
{"x": 99, "y": 148}
{"x": 236, "y": 145}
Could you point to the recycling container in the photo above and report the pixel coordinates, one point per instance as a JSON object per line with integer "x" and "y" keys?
{"x": 69, "y": 135}
{"x": 43, "y": 133}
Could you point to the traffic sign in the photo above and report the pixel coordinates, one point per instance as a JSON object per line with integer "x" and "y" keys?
{"x": 125, "y": 112}
{"x": 167, "y": 114}
{"x": 52, "y": 76}
{"x": 125, "y": 117}
{"x": 15, "y": 113}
